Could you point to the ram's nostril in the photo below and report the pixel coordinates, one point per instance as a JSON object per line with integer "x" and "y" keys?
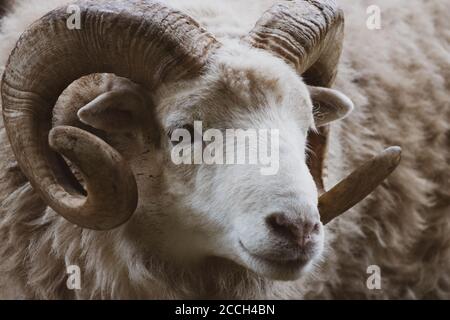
{"x": 293, "y": 230}
{"x": 276, "y": 220}
{"x": 316, "y": 228}
{"x": 284, "y": 226}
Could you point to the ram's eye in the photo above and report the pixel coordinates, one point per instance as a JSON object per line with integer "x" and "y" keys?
{"x": 183, "y": 134}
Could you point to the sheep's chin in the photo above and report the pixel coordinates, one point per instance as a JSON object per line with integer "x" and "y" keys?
{"x": 279, "y": 270}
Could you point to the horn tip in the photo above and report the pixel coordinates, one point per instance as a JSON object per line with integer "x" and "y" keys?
{"x": 54, "y": 136}
{"x": 57, "y": 137}
{"x": 394, "y": 153}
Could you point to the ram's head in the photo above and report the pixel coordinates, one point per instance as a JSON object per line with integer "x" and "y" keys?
{"x": 176, "y": 75}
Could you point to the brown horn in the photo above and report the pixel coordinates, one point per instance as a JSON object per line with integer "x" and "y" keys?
{"x": 306, "y": 34}
{"x": 359, "y": 184}
{"x": 144, "y": 41}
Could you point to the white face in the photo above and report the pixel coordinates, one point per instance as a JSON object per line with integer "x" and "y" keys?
{"x": 262, "y": 214}
{"x": 268, "y": 223}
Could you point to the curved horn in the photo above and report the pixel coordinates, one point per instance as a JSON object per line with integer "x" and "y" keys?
{"x": 144, "y": 41}
{"x": 358, "y": 184}
{"x": 306, "y": 34}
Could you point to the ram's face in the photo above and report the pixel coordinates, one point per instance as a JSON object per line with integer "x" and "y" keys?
{"x": 229, "y": 152}
{"x": 245, "y": 194}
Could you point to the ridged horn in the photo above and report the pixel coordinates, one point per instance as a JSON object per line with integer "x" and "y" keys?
{"x": 145, "y": 41}
{"x": 307, "y": 34}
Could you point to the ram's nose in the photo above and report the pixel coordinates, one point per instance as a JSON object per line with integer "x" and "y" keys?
{"x": 298, "y": 232}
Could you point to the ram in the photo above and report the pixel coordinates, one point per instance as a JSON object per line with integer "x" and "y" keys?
{"x": 90, "y": 115}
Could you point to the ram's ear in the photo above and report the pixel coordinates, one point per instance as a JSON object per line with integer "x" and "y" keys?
{"x": 115, "y": 111}
{"x": 329, "y": 105}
